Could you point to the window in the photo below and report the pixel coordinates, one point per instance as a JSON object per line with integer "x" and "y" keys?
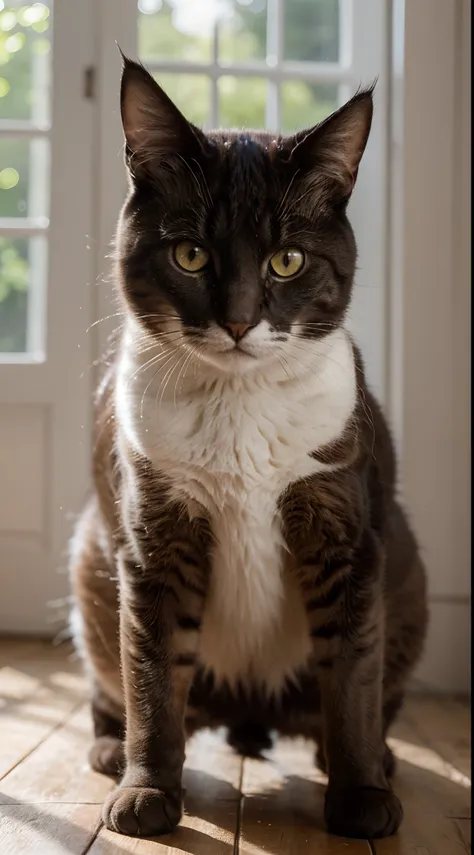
{"x": 248, "y": 62}
{"x": 25, "y": 117}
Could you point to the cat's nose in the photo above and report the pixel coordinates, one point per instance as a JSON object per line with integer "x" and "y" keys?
{"x": 237, "y": 331}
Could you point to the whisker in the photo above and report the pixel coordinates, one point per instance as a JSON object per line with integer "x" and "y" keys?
{"x": 206, "y": 185}
{"x": 285, "y": 195}
{"x": 106, "y": 318}
{"x": 149, "y": 384}
{"x": 181, "y": 373}
{"x": 166, "y": 380}
{"x": 152, "y": 361}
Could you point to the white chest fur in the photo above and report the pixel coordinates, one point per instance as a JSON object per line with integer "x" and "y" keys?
{"x": 232, "y": 444}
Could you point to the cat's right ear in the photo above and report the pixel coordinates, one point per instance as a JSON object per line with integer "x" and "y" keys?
{"x": 152, "y": 124}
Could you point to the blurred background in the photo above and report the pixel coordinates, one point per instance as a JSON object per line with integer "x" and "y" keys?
{"x": 279, "y": 64}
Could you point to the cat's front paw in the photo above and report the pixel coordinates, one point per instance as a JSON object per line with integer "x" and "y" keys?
{"x": 362, "y": 812}
{"x": 142, "y": 811}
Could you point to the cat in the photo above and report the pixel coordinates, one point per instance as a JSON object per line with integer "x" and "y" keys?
{"x": 243, "y": 560}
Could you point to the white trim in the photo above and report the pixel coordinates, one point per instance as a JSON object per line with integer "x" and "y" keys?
{"x": 369, "y": 58}
{"x": 345, "y": 32}
{"x": 214, "y": 109}
{"x": 20, "y": 129}
{"x": 50, "y": 392}
{"x": 395, "y": 302}
{"x": 274, "y": 53}
{"x": 116, "y": 23}
{"x": 462, "y": 300}
{"x": 429, "y": 289}
{"x": 316, "y": 72}
{"x": 425, "y": 408}
{"x": 23, "y": 226}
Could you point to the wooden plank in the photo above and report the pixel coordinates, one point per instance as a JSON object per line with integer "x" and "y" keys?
{"x": 57, "y": 770}
{"x": 435, "y": 797}
{"x": 33, "y": 701}
{"x": 51, "y": 801}
{"x": 54, "y": 829}
{"x": 282, "y": 811}
{"x": 211, "y": 778}
{"x": 445, "y": 725}
{"x": 196, "y": 835}
{"x": 35, "y": 649}
{"x": 463, "y": 828}
{"x": 43, "y": 799}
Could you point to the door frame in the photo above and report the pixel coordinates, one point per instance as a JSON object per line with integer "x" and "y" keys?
{"x": 54, "y": 388}
{"x": 429, "y": 310}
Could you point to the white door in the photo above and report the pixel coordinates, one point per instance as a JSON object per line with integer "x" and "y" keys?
{"x": 46, "y": 298}
{"x": 280, "y": 64}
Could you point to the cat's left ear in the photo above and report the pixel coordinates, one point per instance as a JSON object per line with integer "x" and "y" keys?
{"x": 334, "y": 148}
{"x": 153, "y": 126}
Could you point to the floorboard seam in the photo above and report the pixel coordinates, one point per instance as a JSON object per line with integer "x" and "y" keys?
{"x": 94, "y": 837}
{"x": 55, "y": 727}
{"x": 240, "y": 806}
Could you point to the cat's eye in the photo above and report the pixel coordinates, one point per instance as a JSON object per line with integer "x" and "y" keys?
{"x": 190, "y": 257}
{"x": 286, "y": 262}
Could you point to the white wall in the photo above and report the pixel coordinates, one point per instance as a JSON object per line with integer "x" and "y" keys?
{"x": 430, "y": 312}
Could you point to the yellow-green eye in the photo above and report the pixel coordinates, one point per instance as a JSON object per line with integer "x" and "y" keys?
{"x": 286, "y": 262}
{"x": 190, "y": 257}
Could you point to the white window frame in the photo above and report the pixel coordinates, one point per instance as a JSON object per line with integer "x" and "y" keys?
{"x": 275, "y": 69}
{"x": 31, "y": 226}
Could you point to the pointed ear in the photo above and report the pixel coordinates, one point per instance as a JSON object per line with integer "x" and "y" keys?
{"x": 152, "y": 124}
{"x": 335, "y": 147}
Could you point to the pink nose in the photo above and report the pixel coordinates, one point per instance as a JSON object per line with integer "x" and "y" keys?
{"x": 237, "y": 331}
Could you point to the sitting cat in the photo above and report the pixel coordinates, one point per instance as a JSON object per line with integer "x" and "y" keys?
{"x": 243, "y": 560}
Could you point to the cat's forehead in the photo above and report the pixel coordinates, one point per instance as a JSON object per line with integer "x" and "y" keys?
{"x": 243, "y": 174}
{"x": 245, "y": 143}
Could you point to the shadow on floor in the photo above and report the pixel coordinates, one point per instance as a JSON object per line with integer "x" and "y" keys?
{"x": 287, "y": 813}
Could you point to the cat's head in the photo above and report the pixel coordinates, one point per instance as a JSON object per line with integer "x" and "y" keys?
{"x": 236, "y": 245}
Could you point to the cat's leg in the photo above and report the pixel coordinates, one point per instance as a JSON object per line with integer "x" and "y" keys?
{"x": 160, "y": 617}
{"x": 390, "y": 709}
{"x": 95, "y": 626}
{"x": 347, "y": 626}
{"x": 107, "y": 753}
{"x": 389, "y": 761}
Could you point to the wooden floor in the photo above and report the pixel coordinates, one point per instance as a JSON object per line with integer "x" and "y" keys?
{"x": 50, "y": 801}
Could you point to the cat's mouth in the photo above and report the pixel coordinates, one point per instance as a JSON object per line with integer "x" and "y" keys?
{"x": 236, "y": 358}
{"x": 216, "y": 347}
{"x": 239, "y": 348}
{"x": 236, "y": 352}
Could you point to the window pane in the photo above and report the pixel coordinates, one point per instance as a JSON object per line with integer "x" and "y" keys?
{"x": 22, "y": 283}
{"x": 242, "y": 102}
{"x": 311, "y": 31}
{"x": 303, "y": 104}
{"x": 243, "y": 31}
{"x": 25, "y": 60}
{"x": 190, "y": 92}
{"x": 178, "y": 29}
{"x": 24, "y": 178}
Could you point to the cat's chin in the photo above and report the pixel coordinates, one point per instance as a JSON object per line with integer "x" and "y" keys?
{"x": 234, "y": 360}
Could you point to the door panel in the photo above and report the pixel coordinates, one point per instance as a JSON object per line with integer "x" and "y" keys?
{"x": 45, "y": 389}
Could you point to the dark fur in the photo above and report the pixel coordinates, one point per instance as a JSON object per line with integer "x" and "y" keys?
{"x": 241, "y": 197}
